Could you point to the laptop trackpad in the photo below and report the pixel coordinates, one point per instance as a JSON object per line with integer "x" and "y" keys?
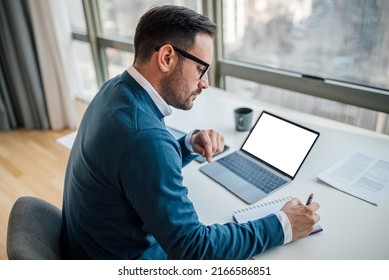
{"x": 231, "y": 181}
{"x": 250, "y": 193}
{"x": 240, "y": 187}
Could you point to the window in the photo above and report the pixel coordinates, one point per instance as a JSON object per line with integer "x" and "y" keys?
{"x": 118, "y": 61}
{"x": 325, "y": 57}
{"x": 86, "y": 69}
{"x": 84, "y": 57}
{"x": 334, "y": 49}
{"x": 120, "y": 17}
{"x": 76, "y": 14}
{"x": 338, "y": 40}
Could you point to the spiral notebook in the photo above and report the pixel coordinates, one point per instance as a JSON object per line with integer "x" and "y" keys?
{"x": 259, "y": 211}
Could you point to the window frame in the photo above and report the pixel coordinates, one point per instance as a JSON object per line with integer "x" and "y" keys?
{"x": 359, "y": 95}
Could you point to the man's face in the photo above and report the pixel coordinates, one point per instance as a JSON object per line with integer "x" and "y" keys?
{"x": 183, "y": 86}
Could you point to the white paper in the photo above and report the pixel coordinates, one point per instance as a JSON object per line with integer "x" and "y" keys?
{"x": 68, "y": 139}
{"x": 361, "y": 175}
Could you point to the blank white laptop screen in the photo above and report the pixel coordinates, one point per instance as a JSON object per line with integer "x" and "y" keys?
{"x": 280, "y": 143}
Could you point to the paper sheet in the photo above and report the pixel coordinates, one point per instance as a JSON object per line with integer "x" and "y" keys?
{"x": 68, "y": 139}
{"x": 361, "y": 175}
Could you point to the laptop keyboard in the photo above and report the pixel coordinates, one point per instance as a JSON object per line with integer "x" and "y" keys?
{"x": 251, "y": 172}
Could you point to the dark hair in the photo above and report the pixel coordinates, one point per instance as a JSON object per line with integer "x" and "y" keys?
{"x": 169, "y": 24}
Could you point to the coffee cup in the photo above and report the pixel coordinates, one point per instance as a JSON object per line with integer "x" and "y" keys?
{"x": 243, "y": 118}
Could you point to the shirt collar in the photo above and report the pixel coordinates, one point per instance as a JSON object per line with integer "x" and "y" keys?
{"x": 154, "y": 95}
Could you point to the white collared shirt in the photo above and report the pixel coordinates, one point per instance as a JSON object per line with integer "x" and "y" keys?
{"x": 161, "y": 104}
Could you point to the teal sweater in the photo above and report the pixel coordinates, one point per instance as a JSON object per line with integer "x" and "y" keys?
{"x": 124, "y": 196}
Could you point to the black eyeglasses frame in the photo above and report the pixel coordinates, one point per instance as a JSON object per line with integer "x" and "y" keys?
{"x": 193, "y": 58}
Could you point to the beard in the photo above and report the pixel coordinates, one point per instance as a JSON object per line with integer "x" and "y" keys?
{"x": 174, "y": 89}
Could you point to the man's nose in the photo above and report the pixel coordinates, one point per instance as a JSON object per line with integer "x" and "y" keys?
{"x": 204, "y": 82}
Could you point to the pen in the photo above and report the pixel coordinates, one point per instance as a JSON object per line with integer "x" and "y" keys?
{"x": 309, "y": 199}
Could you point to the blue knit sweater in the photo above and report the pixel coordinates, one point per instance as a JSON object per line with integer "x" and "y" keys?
{"x": 124, "y": 196}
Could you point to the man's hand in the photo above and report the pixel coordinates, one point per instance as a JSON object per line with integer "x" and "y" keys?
{"x": 207, "y": 143}
{"x": 301, "y": 217}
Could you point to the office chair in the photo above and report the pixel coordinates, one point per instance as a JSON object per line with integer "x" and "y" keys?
{"x": 34, "y": 229}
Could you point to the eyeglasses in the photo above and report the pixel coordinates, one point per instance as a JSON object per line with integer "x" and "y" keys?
{"x": 193, "y": 58}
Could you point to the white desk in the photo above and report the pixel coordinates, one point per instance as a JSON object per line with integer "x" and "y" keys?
{"x": 353, "y": 229}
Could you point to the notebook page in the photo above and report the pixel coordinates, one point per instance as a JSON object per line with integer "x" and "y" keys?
{"x": 260, "y": 210}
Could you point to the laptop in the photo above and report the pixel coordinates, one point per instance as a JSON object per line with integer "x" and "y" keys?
{"x": 269, "y": 158}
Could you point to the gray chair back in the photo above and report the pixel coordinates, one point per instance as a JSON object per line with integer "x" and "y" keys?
{"x": 34, "y": 230}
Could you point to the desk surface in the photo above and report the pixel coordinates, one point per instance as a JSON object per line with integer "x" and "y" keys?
{"x": 353, "y": 229}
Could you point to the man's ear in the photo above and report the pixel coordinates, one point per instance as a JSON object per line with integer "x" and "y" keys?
{"x": 166, "y": 58}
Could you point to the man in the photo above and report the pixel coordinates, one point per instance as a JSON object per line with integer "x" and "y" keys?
{"x": 124, "y": 196}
